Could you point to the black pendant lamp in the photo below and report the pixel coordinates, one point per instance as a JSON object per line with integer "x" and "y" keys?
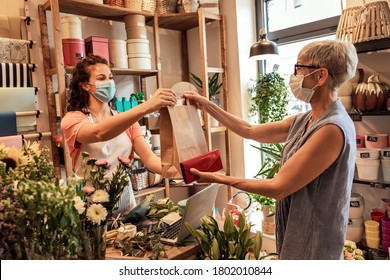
{"x": 263, "y": 49}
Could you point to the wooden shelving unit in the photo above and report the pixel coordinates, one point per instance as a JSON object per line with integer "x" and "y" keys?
{"x": 178, "y": 22}
{"x": 183, "y": 23}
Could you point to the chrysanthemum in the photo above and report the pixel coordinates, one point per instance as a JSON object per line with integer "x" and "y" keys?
{"x": 96, "y": 213}
{"x": 87, "y": 189}
{"x": 79, "y": 204}
{"x": 125, "y": 160}
{"x": 101, "y": 162}
{"x": 100, "y": 196}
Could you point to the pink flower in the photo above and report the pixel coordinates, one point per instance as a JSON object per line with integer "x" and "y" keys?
{"x": 125, "y": 160}
{"x": 101, "y": 162}
{"x": 87, "y": 189}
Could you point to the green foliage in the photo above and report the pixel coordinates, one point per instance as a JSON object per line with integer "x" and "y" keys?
{"x": 231, "y": 243}
{"x": 269, "y": 104}
{"x": 270, "y": 100}
{"x": 214, "y": 85}
{"x": 144, "y": 243}
{"x": 162, "y": 207}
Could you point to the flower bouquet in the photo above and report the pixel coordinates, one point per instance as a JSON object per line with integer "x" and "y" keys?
{"x": 37, "y": 216}
{"x": 352, "y": 252}
{"x": 96, "y": 201}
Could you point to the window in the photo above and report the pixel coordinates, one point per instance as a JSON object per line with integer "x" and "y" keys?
{"x": 308, "y": 21}
{"x": 284, "y": 14}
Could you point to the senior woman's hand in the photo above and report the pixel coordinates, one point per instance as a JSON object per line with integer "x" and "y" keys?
{"x": 208, "y": 177}
{"x": 196, "y": 99}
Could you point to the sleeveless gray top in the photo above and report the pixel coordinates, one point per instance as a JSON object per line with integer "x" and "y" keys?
{"x": 312, "y": 223}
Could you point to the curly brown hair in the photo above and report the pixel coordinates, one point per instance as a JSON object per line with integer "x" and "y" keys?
{"x": 78, "y": 98}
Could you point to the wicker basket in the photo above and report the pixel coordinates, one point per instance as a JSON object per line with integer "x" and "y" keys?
{"x": 346, "y": 28}
{"x": 118, "y": 3}
{"x": 149, "y": 6}
{"x": 166, "y": 6}
{"x": 135, "y": 5}
{"x": 373, "y": 22}
{"x": 190, "y": 6}
{"x": 139, "y": 179}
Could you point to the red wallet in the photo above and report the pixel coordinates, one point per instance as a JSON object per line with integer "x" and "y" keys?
{"x": 207, "y": 162}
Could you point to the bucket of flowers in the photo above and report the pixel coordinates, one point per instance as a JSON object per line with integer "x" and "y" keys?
{"x": 37, "y": 216}
{"x": 43, "y": 217}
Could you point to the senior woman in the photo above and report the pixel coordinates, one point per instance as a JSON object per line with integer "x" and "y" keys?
{"x": 314, "y": 183}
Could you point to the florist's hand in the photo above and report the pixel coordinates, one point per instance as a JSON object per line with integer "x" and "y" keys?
{"x": 163, "y": 97}
{"x": 196, "y": 99}
{"x": 206, "y": 177}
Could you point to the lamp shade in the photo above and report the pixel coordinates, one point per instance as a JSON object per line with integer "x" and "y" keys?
{"x": 263, "y": 49}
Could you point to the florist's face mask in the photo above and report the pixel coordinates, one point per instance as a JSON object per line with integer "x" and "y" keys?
{"x": 105, "y": 90}
{"x": 301, "y": 93}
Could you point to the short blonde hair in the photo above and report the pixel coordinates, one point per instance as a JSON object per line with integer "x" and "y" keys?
{"x": 338, "y": 57}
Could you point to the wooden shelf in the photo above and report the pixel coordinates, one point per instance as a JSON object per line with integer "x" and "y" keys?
{"x": 374, "y": 45}
{"x": 373, "y": 184}
{"x": 123, "y": 71}
{"x": 358, "y": 117}
{"x": 101, "y": 11}
{"x": 181, "y": 21}
{"x": 149, "y": 190}
{"x": 215, "y": 129}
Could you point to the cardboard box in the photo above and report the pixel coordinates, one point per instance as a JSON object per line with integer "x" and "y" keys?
{"x": 97, "y": 46}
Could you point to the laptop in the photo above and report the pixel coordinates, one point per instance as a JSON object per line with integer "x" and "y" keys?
{"x": 198, "y": 205}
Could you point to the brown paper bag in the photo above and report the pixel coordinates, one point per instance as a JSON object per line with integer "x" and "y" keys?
{"x": 181, "y": 137}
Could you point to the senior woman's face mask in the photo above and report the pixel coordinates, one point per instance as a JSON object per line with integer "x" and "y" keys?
{"x": 301, "y": 93}
{"x": 105, "y": 90}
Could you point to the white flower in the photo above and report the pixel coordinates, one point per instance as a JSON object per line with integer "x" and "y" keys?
{"x": 79, "y": 204}
{"x": 96, "y": 213}
{"x": 100, "y": 196}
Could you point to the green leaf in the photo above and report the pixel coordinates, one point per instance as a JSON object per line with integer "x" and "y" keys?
{"x": 257, "y": 245}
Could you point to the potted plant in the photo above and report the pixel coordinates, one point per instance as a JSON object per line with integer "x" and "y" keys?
{"x": 214, "y": 90}
{"x": 230, "y": 243}
{"x": 269, "y": 101}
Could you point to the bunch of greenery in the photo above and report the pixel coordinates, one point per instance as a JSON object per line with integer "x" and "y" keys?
{"x": 144, "y": 243}
{"x": 269, "y": 104}
{"x": 230, "y": 243}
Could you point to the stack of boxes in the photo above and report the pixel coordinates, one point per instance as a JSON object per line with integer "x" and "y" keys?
{"x": 118, "y": 55}
{"x": 73, "y": 44}
{"x": 138, "y": 50}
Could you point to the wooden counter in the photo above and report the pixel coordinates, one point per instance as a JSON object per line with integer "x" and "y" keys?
{"x": 174, "y": 253}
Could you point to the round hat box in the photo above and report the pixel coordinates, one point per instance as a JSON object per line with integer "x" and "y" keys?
{"x": 140, "y": 61}
{"x": 138, "y": 46}
{"x": 117, "y": 47}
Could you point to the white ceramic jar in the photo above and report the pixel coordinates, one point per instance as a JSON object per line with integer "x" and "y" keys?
{"x": 356, "y": 206}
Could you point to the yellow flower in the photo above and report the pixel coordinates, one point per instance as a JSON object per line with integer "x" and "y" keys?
{"x": 32, "y": 148}
{"x": 12, "y": 157}
{"x": 96, "y": 213}
{"x": 100, "y": 196}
